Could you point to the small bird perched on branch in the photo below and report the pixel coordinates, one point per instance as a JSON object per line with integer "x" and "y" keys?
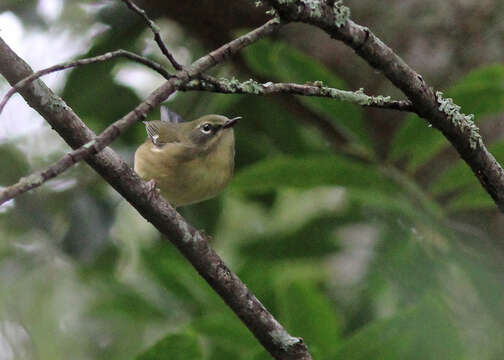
{"x": 188, "y": 161}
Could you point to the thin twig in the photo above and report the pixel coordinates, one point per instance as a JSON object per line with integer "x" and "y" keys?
{"x": 92, "y": 60}
{"x": 252, "y": 87}
{"x": 155, "y": 30}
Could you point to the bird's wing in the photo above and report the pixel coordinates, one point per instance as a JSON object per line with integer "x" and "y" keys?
{"x": 161, "y": 132}
{"x": 166, "y": 137}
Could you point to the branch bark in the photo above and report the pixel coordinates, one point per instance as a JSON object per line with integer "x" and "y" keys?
{"x": 191, "y": 243}
{"x": 252, "y": 87}
{"x": 441, "y": 113}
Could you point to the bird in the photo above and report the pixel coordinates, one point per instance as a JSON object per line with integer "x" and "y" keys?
{"x": 188, "y": 162}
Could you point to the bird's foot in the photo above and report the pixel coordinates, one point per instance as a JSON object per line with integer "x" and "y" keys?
{"x": 152, "y": 190}
{"x": 204, "y": 233}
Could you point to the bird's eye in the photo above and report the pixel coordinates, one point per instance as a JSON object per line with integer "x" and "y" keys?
{"x": 206, "y": 128}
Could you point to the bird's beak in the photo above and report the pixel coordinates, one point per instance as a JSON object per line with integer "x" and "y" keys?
{"x": 231, "y": 122}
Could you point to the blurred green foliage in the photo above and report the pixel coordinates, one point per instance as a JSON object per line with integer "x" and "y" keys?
{"x": 279, "y": 62}
{"x": 480, "y": 93}
{"x": 350, "y": 253}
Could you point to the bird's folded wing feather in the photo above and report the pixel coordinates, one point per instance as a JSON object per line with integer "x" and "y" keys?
{"x": 166, "y": 137}
{"x": 161, "y": 132}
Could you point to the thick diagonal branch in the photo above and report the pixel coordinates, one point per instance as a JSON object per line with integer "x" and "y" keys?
{"x": 192, "y": 244}
{"x": 332, "y": 17}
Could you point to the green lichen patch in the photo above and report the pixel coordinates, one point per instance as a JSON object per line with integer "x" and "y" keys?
{"x": 355, "y": 97}
{"x": 283, "y": 339}
{"x": 252, "y": 86}
{"x": 380, "y": 100}
{"x": 33, "y": 179}
{"x": 341, "y": 13}
{"x": 315, "y": 8}
{"x": 465, "y": 123}
{"x": 234, "y": 85}
{"x": 317, "y": 83}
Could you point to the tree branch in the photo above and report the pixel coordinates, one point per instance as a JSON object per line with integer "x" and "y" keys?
{"x": 92, "y": 60}
{"x": 192, "y": 244}
{"x": 252, "y": 87}
{"x": 155, "y": 30}
{"x": 459, "y": 129}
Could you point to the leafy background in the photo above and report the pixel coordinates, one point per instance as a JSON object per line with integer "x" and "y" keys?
{"x": 359, "y": 229}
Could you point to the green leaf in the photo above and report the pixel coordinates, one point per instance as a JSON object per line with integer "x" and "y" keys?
{"x": 174, "y": 347}
{"x": 204, "y": 215}
{"x": 227, "y": 331}
{"x": 461, "y": 178}
{"x": 485, "y": 273}
{"x": 278, "y": 61}
{"x": 306, "y": 172}
{"x": 391, "y": 203}
{"x": 453, "y": 178}
{"x": 122, "y": 301}
{"x": 175, "y": 274}
{"x": 259, "y": 276}
{"x": 425, "y": 331}
{"x": 90, "y": 218}
{"x": 405, "y": 259}
{"x": 461, "y": 174}
{"x": 223, "y": 353}
{"x": 14, "y": 160}
{"x": 314, "y": 240}
{"x": 481, "y": 92}
{"x": 307, "y": 312}
{"x": 269, "y": 129}
{"x": 416, "y": 141}
{"x": 473, "y": 198}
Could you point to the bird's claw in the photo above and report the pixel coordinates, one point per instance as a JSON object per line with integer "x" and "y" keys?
{"x": 151, "y": 185}
{"x": 152, "y": 190}
{"x": 204, "y": 233}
